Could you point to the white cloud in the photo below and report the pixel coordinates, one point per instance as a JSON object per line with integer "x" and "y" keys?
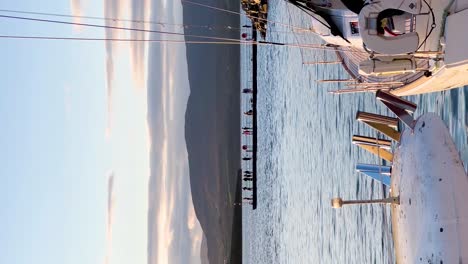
{"x": 138, "y": 10}
{"x": 175, "y": 233}
{"x": 76, "y": 7}
{"x": 138, "y": 50}
{"x": 112, "y": 9}
{"x": 110, "y": 215}
{"x": 173, "y": 229}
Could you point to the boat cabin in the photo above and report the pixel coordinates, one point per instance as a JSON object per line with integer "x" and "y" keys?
{"x": 387, "y": 30}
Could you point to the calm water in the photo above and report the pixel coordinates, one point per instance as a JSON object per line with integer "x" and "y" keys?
{"x": 306, "y": 157}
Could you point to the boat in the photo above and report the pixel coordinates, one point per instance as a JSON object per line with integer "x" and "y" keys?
{"x": 406, "y": 47}
{"x": 427, "y": 184}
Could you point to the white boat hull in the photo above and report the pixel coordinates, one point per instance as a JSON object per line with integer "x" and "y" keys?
{"x": 436, "y": 30}
{"x": 431, "y": 223}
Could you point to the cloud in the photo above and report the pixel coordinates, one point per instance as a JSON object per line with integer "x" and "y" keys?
{"x": 139, "y": 11}
{"x": 110, "y": 85}
{"x": 110, "y": 215}
{"x": 196, "y": 232}
{"x": 138, "y": 50}
{"x": 112, "y": 9}
{"x": 174, "y": 232}
{"x": 76, "y": 7}
{"x": 110, "y": 200}
{"x": 192, "y": 218}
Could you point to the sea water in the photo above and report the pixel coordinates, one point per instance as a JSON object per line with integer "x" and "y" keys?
{"x": 305, "y": 156}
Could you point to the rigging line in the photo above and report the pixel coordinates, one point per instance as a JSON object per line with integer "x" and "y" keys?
{"x": 117, "y": 28}
{"x": 153, "y": 31}
{"x": 258, "y": 43}
{"x": 112, "y": 19}
{"x": 295, "y": 37}
{"x": 311, "y": 12}
{"x": 433, "y": 25}
{"x": 334, "y": 30}
{"x": 126, "y": 40}
{"x": 241, "y": 14}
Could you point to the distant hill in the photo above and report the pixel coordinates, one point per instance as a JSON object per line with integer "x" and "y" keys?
{"x": 212, "y": 125}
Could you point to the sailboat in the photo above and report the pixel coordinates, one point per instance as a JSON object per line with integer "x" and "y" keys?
{"x": 403, "y": 46}
{"x": 427, "y": 182}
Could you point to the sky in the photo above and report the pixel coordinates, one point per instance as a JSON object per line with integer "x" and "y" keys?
{"x": 77, "y": 146}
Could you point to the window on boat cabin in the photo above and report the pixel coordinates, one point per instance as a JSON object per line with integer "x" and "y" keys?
{"x": 389, "y": 22}
{"x": 354, "y": 26}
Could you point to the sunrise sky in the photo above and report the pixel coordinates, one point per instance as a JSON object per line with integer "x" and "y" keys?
{"x": 76, "y": 143}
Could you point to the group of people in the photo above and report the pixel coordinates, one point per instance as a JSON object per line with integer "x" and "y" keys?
{"x": 248, "y": 176}
{"x": 250, "y": 111}
{"x": 247, "y": 130}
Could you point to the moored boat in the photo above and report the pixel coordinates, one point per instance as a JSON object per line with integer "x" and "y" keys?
{"x": 412, "y": 46}
{"x": 428, "y": 185}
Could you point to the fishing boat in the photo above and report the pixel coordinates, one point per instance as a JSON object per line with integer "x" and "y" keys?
{"x": 427, "y": 184}
{"x": 403, "y": 46}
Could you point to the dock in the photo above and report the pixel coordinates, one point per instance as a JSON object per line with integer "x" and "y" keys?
{"x": 254, "y": 121}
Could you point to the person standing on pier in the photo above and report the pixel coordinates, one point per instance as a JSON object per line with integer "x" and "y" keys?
{"x": 250, "y": 112}
{"x": 248, "y": 179}
{"x": 247, "y": 132}
{"x": 244, "y": 36}
{"x": 247, "y": 90}
{"x": 247, "y": 188}
{"x": 246, "y": 158}
{"x": 246, "y": 148}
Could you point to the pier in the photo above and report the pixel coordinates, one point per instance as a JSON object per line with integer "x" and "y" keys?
{"x": 254, "y": 121}
{"x": 249, "y": 133}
